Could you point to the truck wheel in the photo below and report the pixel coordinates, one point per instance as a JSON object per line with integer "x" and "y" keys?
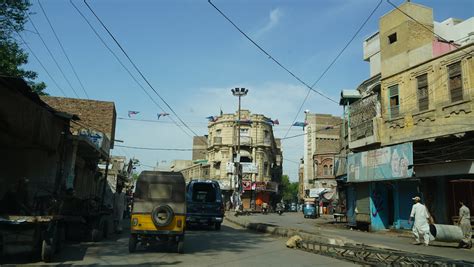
{"x": 46, "y": 251}
{"x": 180, "y": 247}
{"x": 217, "y": 226}
{"x": 132, "y": 243}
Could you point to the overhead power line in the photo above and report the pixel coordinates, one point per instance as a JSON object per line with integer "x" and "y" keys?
{"x": 138, "y": 70}
{"x": 62, "y": 48}
{"x": 272, "y": 57}
{"x": 310, "y": 88}
{"x": 41, "y": 64}
{"x": 334, "y": 61}
{"x": 121, "y": 63}
{"x": 422, "y": 25}
{"x": 52, "y": 56}
{"x": 156, "y": 148}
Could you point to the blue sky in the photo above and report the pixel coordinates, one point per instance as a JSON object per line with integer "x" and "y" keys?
{"x": 193, "y": 57}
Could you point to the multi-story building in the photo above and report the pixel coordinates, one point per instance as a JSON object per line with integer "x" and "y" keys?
{"x": 260, "y": 155}
{"x": 410, "y": 131}
{"x": 321, "y": 144}
{"x": 320, "y": 150}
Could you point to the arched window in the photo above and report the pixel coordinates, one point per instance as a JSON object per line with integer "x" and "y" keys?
{"x": 326, "y": 170}
{"x": 331, "y": 172}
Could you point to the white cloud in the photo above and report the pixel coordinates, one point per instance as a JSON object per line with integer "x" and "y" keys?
{"x": 273, "y": 20}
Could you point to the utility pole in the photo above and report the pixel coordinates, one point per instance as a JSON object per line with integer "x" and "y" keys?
{"x": 239, "y": 92}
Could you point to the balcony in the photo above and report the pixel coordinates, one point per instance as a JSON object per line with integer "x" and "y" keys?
{"x": 365, "y": 134}
{"x": 244, "y": 140}
{"x": 217, "y": 141}
{"x": 267, "y": 142}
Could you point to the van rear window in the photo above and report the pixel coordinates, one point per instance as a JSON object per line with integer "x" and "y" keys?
{"x": 204, "y": 193}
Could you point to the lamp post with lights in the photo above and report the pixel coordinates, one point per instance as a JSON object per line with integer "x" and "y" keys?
{"x": 239, "y": 92}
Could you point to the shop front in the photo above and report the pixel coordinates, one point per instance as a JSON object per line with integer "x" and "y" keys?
{"x": 382, "y": 186}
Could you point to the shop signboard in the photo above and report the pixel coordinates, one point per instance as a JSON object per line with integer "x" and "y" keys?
{"x": 224, "y": 184}
{"x": 387, "y": 163}
{"x": 249, "y": 167}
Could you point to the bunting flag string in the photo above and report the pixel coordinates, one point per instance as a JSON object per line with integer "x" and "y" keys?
{"x": 300, "y": 124}
{"x": 163, "y": 114}
{"x": 131, "y": 112}
{"x": 272, "y": 122}
{"x": 212, "y": 118}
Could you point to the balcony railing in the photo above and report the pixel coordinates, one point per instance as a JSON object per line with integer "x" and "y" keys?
{"x": 244, "y": 140}
{"x": 267, "y": 142}
{"x": 217, "y": 141}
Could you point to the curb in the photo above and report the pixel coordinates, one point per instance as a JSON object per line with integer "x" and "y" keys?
{"x": 287, "y": 232}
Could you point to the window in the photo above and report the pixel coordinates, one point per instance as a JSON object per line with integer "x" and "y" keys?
{"x": 330, "y": 170}
{"x": 422, "y": 92}
{"x": 267, "y": 134}
{"x": 394, "y": 101}
{"x": 218, "y": 132}
{"x": 455, "y": 81}
{"x": 326, "y": 170}
{"x": 244, "y": 132}
{"x": 392, "y": 38}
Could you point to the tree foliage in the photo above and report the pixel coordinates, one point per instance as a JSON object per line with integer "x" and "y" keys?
{"x": 289, "y": 191}
{"x": 13, "y": 16}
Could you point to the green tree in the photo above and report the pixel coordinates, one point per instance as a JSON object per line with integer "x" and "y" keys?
{"x": 13, "y": 16}
{"x": 289, "y": 191}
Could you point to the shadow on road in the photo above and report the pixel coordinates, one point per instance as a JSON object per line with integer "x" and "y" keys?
{"x": 114, "y": 250}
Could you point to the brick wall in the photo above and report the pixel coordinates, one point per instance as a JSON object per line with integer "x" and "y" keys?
{"x": 98, "y": 115}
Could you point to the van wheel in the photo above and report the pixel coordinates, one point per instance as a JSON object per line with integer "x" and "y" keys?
{"x": 180, "y": 247}
{"x": 217, "y": 226}
{"x": 132, "y": 243}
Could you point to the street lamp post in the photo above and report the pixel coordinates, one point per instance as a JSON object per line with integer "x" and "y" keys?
{"x": 239, "y": 92}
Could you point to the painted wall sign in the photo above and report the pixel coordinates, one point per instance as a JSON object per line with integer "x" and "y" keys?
{"x": 388, "y": 163}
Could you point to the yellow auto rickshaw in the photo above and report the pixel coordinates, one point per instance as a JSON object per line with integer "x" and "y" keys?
{"x": 159, "y": 210}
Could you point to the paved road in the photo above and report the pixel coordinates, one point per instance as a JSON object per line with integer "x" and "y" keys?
{"x": 232, "y": 246}
{"x": 296, "y": 220}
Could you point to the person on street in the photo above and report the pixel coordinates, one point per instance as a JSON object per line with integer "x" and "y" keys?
{"x": 420, "y": 227}
{"x": 465, "y": 224}
{"x": 119, "y": 207}
{"x": 264, "y": 208}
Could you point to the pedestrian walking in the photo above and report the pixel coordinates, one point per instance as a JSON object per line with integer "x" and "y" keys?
{"x": 465, "y": 224}
{"x": 420, "y": 226}
{"x": 119, "y": 207}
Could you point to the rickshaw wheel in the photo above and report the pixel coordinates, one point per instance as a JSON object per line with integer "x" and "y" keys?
{"x": 132, "y": 243}
{"x": 180, "y": 247}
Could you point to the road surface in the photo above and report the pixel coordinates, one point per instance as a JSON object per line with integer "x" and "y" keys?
{"x": 232, "y": 246}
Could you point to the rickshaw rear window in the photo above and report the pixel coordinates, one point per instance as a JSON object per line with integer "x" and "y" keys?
{"x": 160, "y": 191}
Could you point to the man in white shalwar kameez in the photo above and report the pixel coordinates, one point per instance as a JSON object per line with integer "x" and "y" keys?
{"x": 420, "y": 227}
